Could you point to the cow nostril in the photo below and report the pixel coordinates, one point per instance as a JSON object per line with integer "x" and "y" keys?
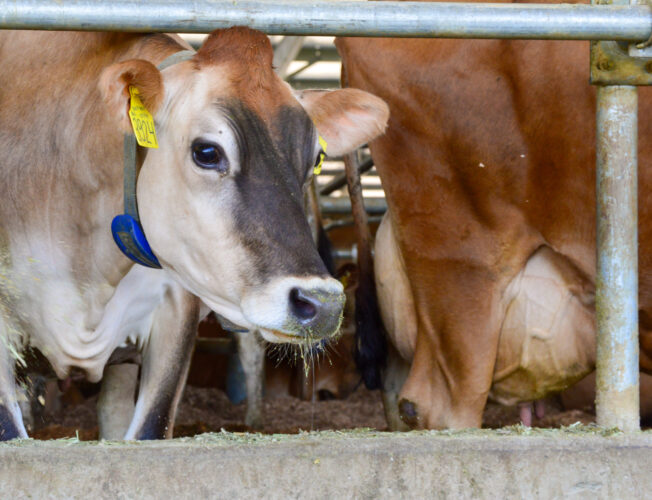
{"x": 303, "y": 306}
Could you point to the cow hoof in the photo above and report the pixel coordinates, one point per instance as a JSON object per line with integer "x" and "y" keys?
{"x": 407, "y": 411}
{"x": 8, "y": 428}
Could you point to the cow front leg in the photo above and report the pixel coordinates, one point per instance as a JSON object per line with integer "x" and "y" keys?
{"x": 116, "y": 402}
{"x": 11, "y": 420}
{"x": 455, "y": 354}
{"x": 166, "y": 359}
{"x": 394, "y": 376}
{"x": 252, "y": 356}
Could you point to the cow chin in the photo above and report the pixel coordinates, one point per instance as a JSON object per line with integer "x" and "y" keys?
{"x": 277, "y": 337}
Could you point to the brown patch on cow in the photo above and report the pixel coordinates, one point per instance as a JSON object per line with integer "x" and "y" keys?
{"x": 249, "y": 55}
{"x": 148, "y": 80}
{"x": 117, "y": 78}
{"x": 247, "y": 47}
{"x": 160, "y": 45}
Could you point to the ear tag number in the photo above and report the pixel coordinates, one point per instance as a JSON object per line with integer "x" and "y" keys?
{"x": 322, "y": 155}
{"x": 141, "y": 121}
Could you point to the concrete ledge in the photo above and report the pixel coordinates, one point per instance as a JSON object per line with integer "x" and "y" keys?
{"x": 358, "y": 464}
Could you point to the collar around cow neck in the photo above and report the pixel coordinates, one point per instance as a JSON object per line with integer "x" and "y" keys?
{"x": 127, "y": 230}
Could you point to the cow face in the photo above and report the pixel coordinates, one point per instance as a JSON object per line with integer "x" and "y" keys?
{"x": 221, "y": 199}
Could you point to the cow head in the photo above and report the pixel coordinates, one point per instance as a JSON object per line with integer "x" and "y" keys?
{"x": 221, "y": 199}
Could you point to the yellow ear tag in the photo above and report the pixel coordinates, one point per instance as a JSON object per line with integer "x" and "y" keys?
{"x": 141, "y": 121}
{"x": 322, "y": 155}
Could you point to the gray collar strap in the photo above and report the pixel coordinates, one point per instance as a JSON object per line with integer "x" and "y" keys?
{"x": 130, "y": 145}
{"x": 126, "y": 228}
{"x": 145, "y": 256}
{"x": 175, "y": 58}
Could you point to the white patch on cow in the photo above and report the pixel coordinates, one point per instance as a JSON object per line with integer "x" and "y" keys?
{"x": 267, "y": 308}
{"x": 547, "y": 338}
{"x": 185, "y": 210}
{"x": 395, "y": 297}
{"x": 80, "y": 326}
{"x": 222, "y": 306}
{"x": 204, "y": 310}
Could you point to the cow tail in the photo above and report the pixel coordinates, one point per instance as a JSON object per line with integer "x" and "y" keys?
{"x": 370, "y": 350}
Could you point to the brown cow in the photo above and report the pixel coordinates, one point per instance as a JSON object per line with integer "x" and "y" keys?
{"x": 486, "y": 259}
{"x": 220, "y": 202}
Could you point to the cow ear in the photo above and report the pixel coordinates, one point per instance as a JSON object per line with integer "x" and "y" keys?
{"x": 346, "y": 118}
{"x": 114, "y": 85}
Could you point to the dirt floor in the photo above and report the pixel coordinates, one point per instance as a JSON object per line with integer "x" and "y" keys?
{"x": 208, "y": 409}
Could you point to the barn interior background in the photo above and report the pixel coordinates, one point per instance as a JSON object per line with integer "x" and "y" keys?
{"x": 609, "y": 22}
{"x": 329, "y": 395}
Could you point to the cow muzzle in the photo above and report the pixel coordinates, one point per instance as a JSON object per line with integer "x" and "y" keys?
{"x": 316, "y": 310}
{"x": 296, "y": 310}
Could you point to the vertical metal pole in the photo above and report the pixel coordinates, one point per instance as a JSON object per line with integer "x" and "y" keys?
{"x": 617, "y": 399}
{"x": 285, "y": 53}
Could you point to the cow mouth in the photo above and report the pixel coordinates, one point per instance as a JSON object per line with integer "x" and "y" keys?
{"x": 279, "y": 337}
{"x": 298, "y": 339}
{"x": 270, "y": 335}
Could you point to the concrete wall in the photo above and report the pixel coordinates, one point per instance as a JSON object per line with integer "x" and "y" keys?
{"x": 546, "y": 464}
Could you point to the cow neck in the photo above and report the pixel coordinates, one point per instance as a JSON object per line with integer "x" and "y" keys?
{"x": 127, "y": 230}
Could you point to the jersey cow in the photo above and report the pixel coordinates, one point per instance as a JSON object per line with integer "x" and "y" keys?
{"x": 220, "y": 202}
{"x": 485, "y": 262}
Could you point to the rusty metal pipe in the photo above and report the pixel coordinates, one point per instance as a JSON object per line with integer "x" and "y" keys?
{"x": 617, "y": 398}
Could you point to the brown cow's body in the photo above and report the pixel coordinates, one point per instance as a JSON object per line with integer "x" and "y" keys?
{"x": 488, "y": 161}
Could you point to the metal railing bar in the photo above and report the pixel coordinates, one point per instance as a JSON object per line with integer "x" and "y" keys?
{"x": 340, "y": 181}
{"x": 320, "y": 17}
{"x": 373, "y": 206}
{"x": 617, "y": 398}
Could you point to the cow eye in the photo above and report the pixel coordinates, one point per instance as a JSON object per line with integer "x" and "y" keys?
{"x": 209, "y": 156}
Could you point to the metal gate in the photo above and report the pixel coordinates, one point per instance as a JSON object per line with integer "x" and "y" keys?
{"x": 616, "y": 67}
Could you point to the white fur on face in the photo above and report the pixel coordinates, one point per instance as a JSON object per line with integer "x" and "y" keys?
{"x": 185, "y": 210}
{"x": 188, "y": 216}
{"x": 77, "y": 326}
